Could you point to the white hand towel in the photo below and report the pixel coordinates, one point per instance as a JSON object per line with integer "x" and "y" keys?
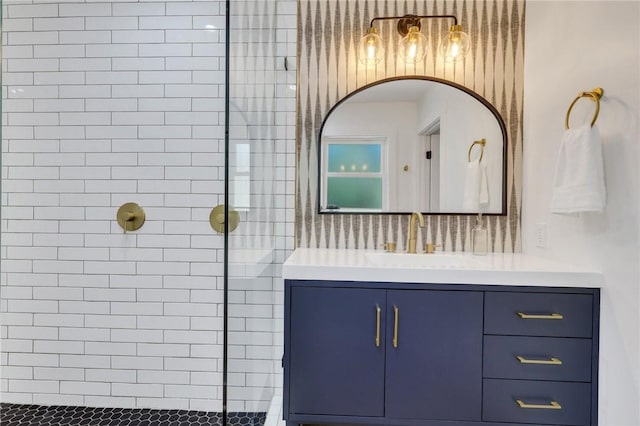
{"x": 476, "y": 187}
{"x": 578, "y": 182}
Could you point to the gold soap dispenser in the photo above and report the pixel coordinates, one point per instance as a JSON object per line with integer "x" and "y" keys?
{"x": 479, "y": 237}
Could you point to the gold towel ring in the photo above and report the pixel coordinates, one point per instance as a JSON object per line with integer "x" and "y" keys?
{"x": 595, "y": 96}
{"x": 482, "y": 142}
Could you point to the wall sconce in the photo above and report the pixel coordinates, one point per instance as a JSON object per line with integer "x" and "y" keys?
{"x": 413, "y": 46}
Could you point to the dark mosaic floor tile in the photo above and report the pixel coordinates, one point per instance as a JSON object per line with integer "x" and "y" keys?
{"x": 40, "y": 415}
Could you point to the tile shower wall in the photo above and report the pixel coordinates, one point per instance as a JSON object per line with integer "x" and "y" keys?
{"x": 105, "y": 103}
{"x": 329, "y": 32}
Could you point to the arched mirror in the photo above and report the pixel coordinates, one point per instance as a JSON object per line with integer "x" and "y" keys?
{"x": 407, "y": 144}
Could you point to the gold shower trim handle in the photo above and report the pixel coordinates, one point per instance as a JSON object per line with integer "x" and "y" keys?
{"x": 130, "y": 217}
{"x": 216, "y": 219}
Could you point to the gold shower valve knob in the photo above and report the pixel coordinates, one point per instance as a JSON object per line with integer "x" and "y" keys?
{"x": 216, "y": 219}
{"x": 130, "y": 217}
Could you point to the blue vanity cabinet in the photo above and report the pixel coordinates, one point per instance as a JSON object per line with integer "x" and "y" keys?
{"x": 374, "y": 353}
{"x": 411, "y": 354}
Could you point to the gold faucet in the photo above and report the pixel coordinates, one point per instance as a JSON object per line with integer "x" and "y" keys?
{"x": 430, "y": 248}
{"x": 413, "y": 232}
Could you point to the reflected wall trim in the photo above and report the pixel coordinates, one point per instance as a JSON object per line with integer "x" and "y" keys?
{"x": 328, "y": 69}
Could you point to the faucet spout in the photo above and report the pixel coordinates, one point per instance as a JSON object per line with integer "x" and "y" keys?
{"x": 413, "y": 231}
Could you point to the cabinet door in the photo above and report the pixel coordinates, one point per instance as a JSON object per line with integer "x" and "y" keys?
{"x": 336, "y": 367}
{"x": 434, "y": 369}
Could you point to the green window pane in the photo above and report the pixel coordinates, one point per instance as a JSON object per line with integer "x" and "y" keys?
{"x": 351, "y": 157}
{"x": 361, "y": 193}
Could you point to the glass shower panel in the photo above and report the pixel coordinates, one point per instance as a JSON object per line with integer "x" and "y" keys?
{"x": 253, "y": 358}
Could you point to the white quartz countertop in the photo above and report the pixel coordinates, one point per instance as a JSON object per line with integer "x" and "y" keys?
{"x": 442, "y": 268}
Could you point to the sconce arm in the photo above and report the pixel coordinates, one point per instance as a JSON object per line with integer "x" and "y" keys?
{"x": 415, "y": 17}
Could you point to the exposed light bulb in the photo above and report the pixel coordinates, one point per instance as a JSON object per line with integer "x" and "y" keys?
{"x": 371, "y": 51}
{"x": 413, "y": 50}
{"x": 353, "y": 167}
{"x": 455, "y": 49}
{"x": 413, "y": 47}
{"x": 455, "y": 45}
{"x": 365, "y": 167}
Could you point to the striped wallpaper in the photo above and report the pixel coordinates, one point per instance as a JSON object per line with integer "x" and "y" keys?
{"x": 328, "y": 35}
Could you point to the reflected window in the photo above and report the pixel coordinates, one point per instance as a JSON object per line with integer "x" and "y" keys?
{"x": 354, "y": 174}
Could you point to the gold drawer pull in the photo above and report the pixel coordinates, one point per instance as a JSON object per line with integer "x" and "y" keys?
{"x": 552, "y": 361}
{"x": 378, "y": 310}
{"x": 553, "y": 405}
{"x": 396, "y": 317}
{"x": 545, "y": 317}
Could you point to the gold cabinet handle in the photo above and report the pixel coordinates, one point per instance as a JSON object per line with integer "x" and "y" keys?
{"x": 553, "y": 405}
{"x": 396, "y": 315}
{"x": 378, "y": 312}
{"x": 545, "y": 317}
{"x": 551, "y": 361}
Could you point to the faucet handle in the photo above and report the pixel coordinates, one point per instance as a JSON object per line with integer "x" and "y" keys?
{"x": 389, "y": 247}
{"x": 430, "y": 248}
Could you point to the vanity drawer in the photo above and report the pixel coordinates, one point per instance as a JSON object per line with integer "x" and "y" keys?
{"x": 538, "y": 314}
{"x": 537, "y": 358}
{"x": 500, "y": 402}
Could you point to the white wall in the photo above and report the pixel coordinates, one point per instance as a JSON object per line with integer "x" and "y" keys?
{"x": 574, "y": 46}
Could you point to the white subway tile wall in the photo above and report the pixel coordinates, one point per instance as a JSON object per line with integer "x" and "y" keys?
{"x": 109, "y": 102}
